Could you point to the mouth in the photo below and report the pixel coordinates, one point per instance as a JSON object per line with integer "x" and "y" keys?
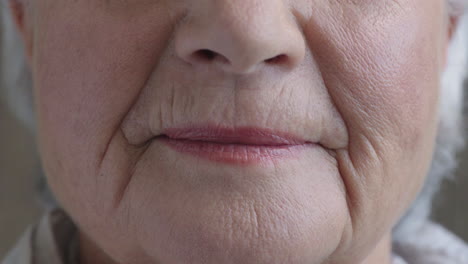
{"x": 245, "y": 145}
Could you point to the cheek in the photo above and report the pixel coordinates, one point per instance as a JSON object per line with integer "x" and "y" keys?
{"x": 81, "y": 92}
{"x": 384, "y": 80}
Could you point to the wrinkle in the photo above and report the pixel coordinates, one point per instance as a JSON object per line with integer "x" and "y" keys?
{"x": 119, "y": 130}
{"x": 121, "y": 193}
{"x": 172, "y": 101}
{"x": 270, "y": 115}
{"x": 346, "y": 167}
{"x": 236, "y": 102}
{"x": 255, "y": 219}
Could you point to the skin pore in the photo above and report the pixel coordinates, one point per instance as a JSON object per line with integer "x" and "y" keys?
{"x": 357, "y": 80}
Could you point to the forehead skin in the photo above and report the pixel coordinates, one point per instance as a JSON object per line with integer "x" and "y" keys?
{"x": 110, "y": 74}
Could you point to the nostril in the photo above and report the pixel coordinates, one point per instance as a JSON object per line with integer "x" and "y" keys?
{"x": 280, "y": 59}
{"x": 206, "y": 54}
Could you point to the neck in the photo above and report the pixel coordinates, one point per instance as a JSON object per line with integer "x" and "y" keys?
{"x": 382, "y": 253}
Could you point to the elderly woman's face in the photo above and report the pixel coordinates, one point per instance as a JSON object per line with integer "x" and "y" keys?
{"x": 228, "y": 131}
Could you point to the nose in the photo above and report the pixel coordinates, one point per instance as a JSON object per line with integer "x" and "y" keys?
{"x": 240, "y": 36}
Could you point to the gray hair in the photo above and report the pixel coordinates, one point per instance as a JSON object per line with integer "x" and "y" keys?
{"x": 15, "y": 83}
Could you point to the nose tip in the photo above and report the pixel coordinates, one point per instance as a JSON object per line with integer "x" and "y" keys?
{"x": 235, "y": 43}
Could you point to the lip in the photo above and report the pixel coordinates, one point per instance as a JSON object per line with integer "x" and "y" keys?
{"x": 244, "y": 145}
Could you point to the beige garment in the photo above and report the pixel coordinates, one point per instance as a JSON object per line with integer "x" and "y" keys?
{"x": 53, "y": 241}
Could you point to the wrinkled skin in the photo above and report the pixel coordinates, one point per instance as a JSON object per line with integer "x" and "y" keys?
{"x": 358, "y": 78}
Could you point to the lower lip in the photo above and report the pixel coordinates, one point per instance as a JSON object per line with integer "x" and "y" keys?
{"x": 234, "y": 153}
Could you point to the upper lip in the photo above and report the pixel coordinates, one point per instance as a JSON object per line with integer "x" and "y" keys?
{"x": 239, "y": 135}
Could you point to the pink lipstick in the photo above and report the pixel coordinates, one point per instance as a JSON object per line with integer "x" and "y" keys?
{"x": 244, "y": 145}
